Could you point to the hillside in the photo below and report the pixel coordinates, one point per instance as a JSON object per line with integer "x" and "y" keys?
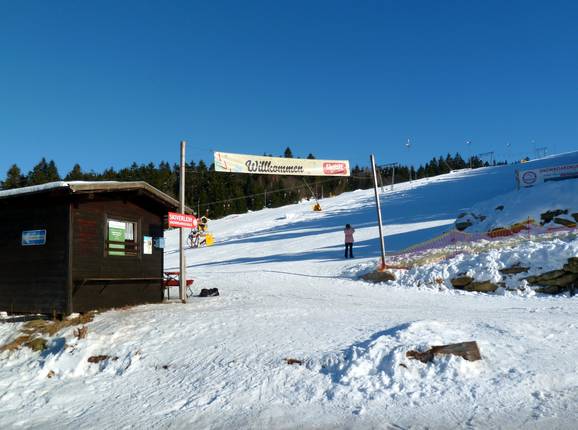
{"x": 288, "y": 293}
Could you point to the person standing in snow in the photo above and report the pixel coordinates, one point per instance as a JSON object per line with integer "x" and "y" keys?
{"x": 349, "y": 240}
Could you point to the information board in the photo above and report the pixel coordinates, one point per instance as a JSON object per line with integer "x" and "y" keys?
{"x": 33, "y": 237}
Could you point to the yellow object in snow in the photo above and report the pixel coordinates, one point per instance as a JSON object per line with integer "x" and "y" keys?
{"x": 317, "y": 207}
{"x": 209, "y": 239}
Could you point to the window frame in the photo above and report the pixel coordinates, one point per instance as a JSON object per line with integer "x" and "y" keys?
{"x": 135, "y": 244}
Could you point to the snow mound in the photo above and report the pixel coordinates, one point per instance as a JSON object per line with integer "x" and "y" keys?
{"x": 482, "y": 261}
{"x": 378, "y": 367}
{"x": 289, "y": 216}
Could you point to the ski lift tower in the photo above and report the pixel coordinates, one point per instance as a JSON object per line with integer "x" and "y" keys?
{"x": 487, "y": 156}
{"x": 541, "y": 152}
{"x": 408, "y": 146}
{"x": 391, "y": 166}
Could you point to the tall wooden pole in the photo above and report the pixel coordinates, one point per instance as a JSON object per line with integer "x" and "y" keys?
{"x": 378, "y": 205}
{"x": 182, "y": 261}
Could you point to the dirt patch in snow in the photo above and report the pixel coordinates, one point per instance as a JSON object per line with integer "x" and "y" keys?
{"x": 34, "y": 332}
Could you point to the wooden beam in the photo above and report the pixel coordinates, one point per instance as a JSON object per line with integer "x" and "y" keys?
{"x": 467, "y": 350}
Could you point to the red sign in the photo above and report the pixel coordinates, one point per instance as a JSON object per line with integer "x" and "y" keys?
{"x": 182, "y": 220}
{"x": 334, "y": 168}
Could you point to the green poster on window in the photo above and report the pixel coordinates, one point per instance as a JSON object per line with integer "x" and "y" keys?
{"x": 116, "y": 233}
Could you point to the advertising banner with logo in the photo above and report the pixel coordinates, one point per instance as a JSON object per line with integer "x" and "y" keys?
{"x": 530, "y": 178}
{"x": 241, "y": 163}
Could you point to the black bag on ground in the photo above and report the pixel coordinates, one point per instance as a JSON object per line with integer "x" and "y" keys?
{"x": 209, "y": 292}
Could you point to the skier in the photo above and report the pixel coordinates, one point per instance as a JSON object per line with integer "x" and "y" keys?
{"x": 349, "y": 240}
{"x": 194, "y": 238}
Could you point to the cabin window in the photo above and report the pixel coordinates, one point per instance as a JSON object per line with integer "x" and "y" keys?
{"x": 121, "y": 238}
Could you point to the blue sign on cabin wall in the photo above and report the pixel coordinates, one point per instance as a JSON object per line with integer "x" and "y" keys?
{"x": 33, "y": 237}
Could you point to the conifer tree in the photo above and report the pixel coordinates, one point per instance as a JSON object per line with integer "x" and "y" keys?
{"x": 43, "y": 173}
{"x": 75, "y": 174}
{"x": 14, "y": 178}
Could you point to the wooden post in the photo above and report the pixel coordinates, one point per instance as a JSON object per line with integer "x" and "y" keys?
{"x": 182, "y": 260}
{"x": 69, "y": 280}
{"x": 378, "y": 205}
{"x": 392, "y": 176}
{"x": 467, "y": 350}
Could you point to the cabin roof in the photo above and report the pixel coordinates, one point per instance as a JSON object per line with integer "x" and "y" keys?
{"x": 85, "y": 187}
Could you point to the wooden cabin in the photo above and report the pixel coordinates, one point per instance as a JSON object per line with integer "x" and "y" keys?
{"x": 76, "y": 246}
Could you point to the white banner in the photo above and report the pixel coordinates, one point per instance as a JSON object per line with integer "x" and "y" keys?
{"x": 241, "y": 163}
{"x": 529, "y": 178}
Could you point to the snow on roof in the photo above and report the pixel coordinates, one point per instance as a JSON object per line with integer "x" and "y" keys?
{"x": 93, "y": 186}
{"x": 32, "y": 189}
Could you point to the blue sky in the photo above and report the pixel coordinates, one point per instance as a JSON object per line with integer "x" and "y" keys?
{"x": 108, "y": 83}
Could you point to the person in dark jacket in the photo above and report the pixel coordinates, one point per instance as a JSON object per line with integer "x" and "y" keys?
{"x": 349, "y": 240}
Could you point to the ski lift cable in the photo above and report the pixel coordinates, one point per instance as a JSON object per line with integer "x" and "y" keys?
{"x": 277, "y": 191}
{"x": 268, "y": 191}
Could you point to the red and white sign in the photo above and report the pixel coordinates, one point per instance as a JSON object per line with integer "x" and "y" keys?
{"x": 334, "y": 168}
{"x": 182, "y": 220}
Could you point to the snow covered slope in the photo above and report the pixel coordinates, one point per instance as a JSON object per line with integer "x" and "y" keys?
{"x": 287, "y": 292}
{"x": 411, "y": 213}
